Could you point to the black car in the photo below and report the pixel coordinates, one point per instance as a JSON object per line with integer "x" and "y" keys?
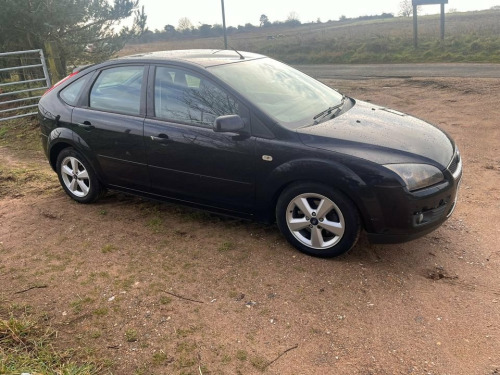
{"x": 245, "y": 135}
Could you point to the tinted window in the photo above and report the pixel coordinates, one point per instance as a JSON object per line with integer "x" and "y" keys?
{"x": 182, "y": 96}
{"x": 71, "y": 93}
{"x": 118, "y": 90}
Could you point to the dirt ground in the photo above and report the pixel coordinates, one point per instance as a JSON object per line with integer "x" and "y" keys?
{"x": 155, "y": 288}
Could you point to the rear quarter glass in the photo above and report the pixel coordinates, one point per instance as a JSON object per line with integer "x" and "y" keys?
{"x": 71, "y": 93}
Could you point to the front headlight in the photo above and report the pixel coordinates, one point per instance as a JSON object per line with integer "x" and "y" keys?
{"x": 417, "y": 176}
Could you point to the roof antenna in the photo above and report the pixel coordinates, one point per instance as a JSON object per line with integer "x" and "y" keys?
{"x": 220, "y": 50}
{"x": 241, "y": 56}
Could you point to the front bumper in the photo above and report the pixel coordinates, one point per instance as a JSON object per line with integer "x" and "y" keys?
{"x": 408, "y": 215}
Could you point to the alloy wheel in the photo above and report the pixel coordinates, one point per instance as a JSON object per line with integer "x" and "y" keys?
{"x": 75, "y": 176}
{"x": 315, "y": 220}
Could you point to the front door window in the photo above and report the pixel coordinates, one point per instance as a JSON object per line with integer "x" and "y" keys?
{"x": 185, "y": 97}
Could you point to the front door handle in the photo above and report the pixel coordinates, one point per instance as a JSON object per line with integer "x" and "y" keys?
{"x": 161, "y": 138}
{"x": 86, "y": 125}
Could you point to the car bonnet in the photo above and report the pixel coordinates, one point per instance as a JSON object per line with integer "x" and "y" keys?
{"x": 381, "y": 135}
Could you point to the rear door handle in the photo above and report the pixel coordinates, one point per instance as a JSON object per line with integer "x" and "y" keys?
{"x": 86, "y": 125}
{"x": 161, "y": 138}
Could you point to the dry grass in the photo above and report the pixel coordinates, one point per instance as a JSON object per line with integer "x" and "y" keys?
{"x": 470, "y": 37}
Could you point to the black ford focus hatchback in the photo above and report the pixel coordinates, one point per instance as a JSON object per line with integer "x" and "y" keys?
{"x": 245, "y": 135}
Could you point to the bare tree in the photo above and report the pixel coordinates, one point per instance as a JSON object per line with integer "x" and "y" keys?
{"x": 293, "y": 16}
{"x": 406, "y": 8}
{"x": 292, "y": 19}
{"x": 184, "y": 24}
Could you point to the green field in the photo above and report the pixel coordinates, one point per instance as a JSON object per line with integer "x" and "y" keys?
{"x": 470, "y": 37}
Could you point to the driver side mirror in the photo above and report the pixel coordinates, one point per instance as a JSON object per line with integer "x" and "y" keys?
{"x": 229, "y": 124}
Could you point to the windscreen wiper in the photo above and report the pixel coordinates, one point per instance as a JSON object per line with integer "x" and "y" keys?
{"x": 329, "y": 110}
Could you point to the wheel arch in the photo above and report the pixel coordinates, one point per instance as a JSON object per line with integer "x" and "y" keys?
{"x": 330, "y": 174}
{"x": 54, "y": 152}
{"x": 62, "y": 138}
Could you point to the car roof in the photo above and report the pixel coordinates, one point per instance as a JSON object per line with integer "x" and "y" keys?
{"x": 203, "y": 57}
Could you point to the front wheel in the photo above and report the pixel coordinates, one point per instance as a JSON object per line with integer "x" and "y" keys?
{"x": 317, "y": 220}
{"x": 77, "y": 176}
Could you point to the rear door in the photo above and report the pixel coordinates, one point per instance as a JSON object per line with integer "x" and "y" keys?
{"x": 187, "y": 159}
{"x": 111, "y": 123}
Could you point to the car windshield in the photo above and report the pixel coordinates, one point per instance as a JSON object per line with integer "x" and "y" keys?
{"x": 290, "y": 97}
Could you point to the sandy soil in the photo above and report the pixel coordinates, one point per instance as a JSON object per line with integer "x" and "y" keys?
{"x": 160, "y": 289}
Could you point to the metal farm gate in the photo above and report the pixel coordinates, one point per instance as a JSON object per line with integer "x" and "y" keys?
{"x": 23, "y": 79}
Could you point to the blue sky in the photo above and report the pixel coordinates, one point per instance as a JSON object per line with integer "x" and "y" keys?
{"x": 239, "y": 12}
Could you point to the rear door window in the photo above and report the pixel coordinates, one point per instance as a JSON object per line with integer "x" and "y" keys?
{"x": 118, "y": 90}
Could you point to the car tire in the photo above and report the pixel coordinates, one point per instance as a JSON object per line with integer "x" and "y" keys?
{"x": 318, "y": 220}
{"x": 77, "y": 177}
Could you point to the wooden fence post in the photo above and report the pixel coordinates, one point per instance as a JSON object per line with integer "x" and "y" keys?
{"x": 54, "y": 61}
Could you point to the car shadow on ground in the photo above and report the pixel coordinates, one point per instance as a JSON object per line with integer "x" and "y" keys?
{"x": 402, "y": 256}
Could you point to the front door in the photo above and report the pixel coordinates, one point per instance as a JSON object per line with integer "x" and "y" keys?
{"x": 187, "y": 159}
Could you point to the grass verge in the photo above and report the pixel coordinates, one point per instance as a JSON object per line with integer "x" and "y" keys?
{"x": 26, "y": 347}
{"x": 21, "y": 134}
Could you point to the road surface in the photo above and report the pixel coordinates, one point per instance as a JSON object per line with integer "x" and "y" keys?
{"x": 354, "y": 71}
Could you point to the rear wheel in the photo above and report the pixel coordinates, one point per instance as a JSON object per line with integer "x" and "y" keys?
{"x": 317, "y": 220}
{"x": 77, "y": 176}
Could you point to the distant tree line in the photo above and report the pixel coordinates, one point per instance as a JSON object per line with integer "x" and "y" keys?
{"x": 186, "y": 29}
{"x": 367, "y": 18}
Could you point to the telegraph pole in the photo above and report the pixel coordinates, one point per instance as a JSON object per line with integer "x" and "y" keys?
{"x": 442, "y": 21}
{"x": 415, "y": 26}
{"x": 224, "y": 24}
